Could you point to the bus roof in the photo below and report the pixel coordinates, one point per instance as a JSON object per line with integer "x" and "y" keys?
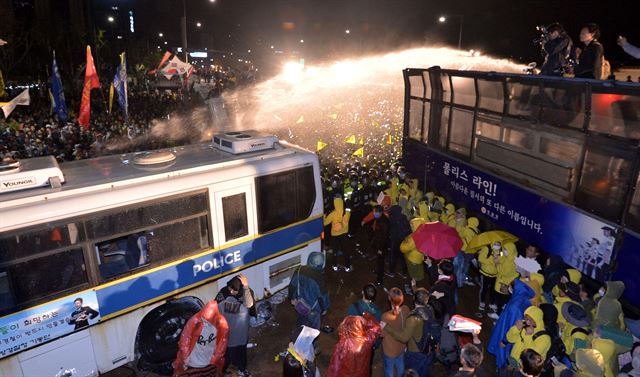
{"x": 116, "y": 168}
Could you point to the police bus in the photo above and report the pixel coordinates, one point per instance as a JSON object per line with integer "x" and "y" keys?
{"x": 102, "y": 261}
{"x": 553, "y": 160}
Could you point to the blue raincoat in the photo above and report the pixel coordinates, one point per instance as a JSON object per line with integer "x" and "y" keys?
{"x": 513, "y": 311}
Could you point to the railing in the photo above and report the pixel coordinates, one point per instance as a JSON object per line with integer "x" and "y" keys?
{"x": 571, "y": 139}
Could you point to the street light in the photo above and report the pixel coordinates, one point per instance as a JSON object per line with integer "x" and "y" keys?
{"x": 183, "y": 25}
{"x": 198, "y": 24}
{"x": 347, "y": 31}
{"x": 302, "y": 41}
{"x": 443, "y": 19}
{"x": 160, "y": 35}
{"x": 110, "y": 19}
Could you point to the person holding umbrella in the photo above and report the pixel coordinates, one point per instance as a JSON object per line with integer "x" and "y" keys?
{"x": 412, "y": 256}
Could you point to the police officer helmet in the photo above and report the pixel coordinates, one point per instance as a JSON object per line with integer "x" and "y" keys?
{"x": 353, "y": 180}
{"x": 365, "y": 178}
{"x": 335, "y": 181}
{"x": 402, "y": 172}
{"x": 388, "y": 174}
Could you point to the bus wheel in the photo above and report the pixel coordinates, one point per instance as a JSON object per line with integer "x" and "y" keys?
{"x": 159, "y": 333}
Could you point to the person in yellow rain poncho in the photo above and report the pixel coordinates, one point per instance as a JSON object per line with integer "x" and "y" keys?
{"x": 339, "y": 220}
{"x": 607, "y": 348}
{"x": 412, "y": 256}
{"x": 575, "y": 328}
{"x": 571, "y": 275}
{"x": 589, "y": 363}
{"x": 528, "y": 333}
{"x": 464, "y": 259}
{"x": 448, "y": 214}
{"x": 505, "y": 275}
{"x": 488, "y": 272}
{"x": 415, "y": 195}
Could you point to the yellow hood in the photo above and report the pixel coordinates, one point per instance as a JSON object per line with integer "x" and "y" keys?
{"x": 450, "y": 209}
{"x": 536, "y": 314}
{"x": 590, "y": 363}
{"x": 415, "y": 223}
{"x": 574, "y": 275}
{"x": 537, "y": 277}
{"x": 607, "y": 348}
{"x": 338, "y": 204}
{"x": 473, "y": 223}
{"x": 511, "y": 250}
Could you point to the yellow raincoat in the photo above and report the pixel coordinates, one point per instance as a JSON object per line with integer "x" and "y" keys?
{"x": 521, "y": 340}
{"x": 412, "y": 256}
{"x": 506, "y": 268}
{"x": 338, "y": 218}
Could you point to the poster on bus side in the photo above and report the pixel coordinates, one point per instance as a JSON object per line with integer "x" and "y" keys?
{"x": 32, "y": 327}
{"x": 582, "y": 241}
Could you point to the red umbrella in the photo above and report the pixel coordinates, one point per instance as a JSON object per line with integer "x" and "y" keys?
{"x": 437, "y": 240}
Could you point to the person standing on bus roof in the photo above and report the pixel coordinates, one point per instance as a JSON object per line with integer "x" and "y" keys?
{"x": 237, "y": 304}
{"x": 202, "y": 344}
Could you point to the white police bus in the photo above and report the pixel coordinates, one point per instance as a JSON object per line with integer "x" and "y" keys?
{"x": 102, "y": 261}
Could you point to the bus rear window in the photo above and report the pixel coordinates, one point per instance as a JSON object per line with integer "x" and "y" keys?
{"x": 284, "y": 198}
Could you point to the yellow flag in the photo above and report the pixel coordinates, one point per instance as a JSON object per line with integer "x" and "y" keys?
{"x": 361, "y": 142}
{"x": 351, "y": 139}
{"x": 110, "y": 97}
{"x": 359, "y": 152}
{"x": 2, "y": 91}
{"x": 333, "y": 116}
{"x": 389, "y": 139}
{"x": 300, "y": 120}
{"x": 320, "y": 146}
{"x": 374, "y": 123}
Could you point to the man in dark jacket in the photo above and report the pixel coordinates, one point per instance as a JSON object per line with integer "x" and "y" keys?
{"x": 445, "y": 287}
{"x": 556, "y": 48}
{"x": 399, "y": 229}
{"x": 236, "y": 304}
{"x": 378, "y": 238}
{"x": 590, "y": 58}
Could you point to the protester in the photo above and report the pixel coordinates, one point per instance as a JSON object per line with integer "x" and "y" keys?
{"x": 421, "y": 334}
{"x": 514, "y": 311}
{"x": 339, "y": 221}
{"x": 444, "y": 288}
{"x": 589, "y": 363}
{"x": 488, "y": 273}
{"x": 378, "y": 238}
{"x": 202, "y": 345}
{"x": 392, "y": 349}
{"x": 528, "y": 333}
{"x": 366, "y": 304}
{"x": 308, "y": 292}
{"x": 471, "y": 359}
{"x": 352, "y": 354}
{"x": 529, "y": 365}
{"x": 413, "y": 257}
{"x": 236, "y": 302}
{"x": 399, "y": 228}
{"x": 609, "y": 309}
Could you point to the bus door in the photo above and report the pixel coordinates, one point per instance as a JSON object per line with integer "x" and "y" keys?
{"x": 235, "y": 225}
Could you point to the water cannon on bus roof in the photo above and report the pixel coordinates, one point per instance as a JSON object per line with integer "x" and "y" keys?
{"x": 237, "y": 142}
{"x": 29, "y": 173}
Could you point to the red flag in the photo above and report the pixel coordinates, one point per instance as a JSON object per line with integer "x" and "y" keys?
{"x": 166, "y": 57}
{"x": 91, "y": 81}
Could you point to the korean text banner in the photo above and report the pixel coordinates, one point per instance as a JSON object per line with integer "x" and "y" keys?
{"x": 582, "y": 241}
{"x": 43, "y": 323}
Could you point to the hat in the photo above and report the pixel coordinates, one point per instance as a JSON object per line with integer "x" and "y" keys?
{"x": 575, "y": 314}
{"x": 235, "y": 283}
{"x": 571, "y": 289}
{"x": 316, "y": 260}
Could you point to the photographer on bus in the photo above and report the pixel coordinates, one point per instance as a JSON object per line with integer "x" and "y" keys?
{"x": 556, "y": 47}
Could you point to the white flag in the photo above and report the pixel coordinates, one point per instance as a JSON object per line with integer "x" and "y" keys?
{"x": 21, "y": 99}
{"x": 175, "y": 66}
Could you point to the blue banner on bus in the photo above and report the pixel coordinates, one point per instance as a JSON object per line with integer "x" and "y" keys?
{"x": 582, "y": 241}
{"x": 43, "y": 323}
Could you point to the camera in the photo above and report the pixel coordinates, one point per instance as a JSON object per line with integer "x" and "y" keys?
{"x": 544, "y": 35}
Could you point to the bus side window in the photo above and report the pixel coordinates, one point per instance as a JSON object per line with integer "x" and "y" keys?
{"x": 234, "y": 211}
{"x": 122, "y": 254}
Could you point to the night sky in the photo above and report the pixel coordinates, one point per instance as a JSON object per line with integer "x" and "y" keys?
{"x": 499, "y": 27}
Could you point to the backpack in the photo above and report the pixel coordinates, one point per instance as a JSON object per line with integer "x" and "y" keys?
{"x": 431, "y": 334}
{"x": 449, "y": 348}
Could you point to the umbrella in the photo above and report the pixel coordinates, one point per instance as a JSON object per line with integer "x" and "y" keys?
{"x": 437, "y": 240}
{"x": 487, "y": 238}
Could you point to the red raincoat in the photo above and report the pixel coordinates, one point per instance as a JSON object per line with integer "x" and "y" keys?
{"x": 352, "y": 355}
{"x": 191, "y": 334}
